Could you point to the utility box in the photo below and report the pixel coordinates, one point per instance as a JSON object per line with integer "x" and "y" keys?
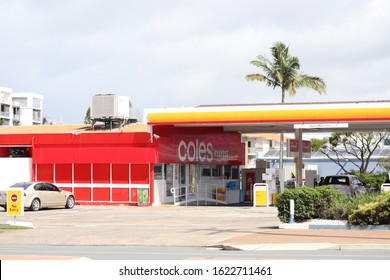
{"x": 310, "y": 178}
{"x": 110, "y": 106}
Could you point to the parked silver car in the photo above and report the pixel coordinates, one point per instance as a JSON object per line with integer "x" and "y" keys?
{"x": 39, "y": 195}
{"x": 347, "y": 184}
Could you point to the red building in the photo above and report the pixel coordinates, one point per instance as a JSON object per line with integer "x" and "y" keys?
{"x": 114, "y": 166}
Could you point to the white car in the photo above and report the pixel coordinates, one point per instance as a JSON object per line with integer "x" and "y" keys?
{"x": 39, "y": 195}
{"x": 347, "y": 184}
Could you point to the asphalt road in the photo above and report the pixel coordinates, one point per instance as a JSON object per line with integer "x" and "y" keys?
{"x": 26, "y": 252}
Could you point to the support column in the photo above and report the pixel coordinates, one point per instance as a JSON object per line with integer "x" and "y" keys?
{"x": 298, "y": 164}
{"x": 281, "y": 151}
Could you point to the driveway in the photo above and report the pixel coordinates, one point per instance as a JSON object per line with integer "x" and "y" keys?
{"x": 124, "y": 225}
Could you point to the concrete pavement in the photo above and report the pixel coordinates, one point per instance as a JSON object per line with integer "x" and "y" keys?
{"x": 313, "y": 239}
{"x": 233, "y": 228}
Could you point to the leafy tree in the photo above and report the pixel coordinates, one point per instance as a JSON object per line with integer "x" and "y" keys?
{"x": 385, "y": 163}
{"x": 87, "y": 119}
{"x": 282, "y": 72}
{"x": 372, "y": 180}
{"x": 358, "y": 146}
{"x": 317, "y": 144}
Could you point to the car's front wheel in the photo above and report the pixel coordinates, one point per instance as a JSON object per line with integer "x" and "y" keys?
{"x": 69, "y": 202}
{"x": 35, "y": 204}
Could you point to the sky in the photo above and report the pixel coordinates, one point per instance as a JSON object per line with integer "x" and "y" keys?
{"x": 178, "y": 53}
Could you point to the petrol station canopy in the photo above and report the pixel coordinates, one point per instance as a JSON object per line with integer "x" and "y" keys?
{"x": 279, "y": 118}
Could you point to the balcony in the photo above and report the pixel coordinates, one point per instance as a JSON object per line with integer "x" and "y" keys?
{"x": 5, "y": 110}
{"x": 4, "y": 114}
{"x": 251, "y": 151}
{"x": 37, "y": 117}
{"x": 4, "y": 121}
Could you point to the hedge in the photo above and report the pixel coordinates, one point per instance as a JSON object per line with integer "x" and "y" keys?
{"x": 329, "y": 203}
{"x": 309, "y": 203}
{"x": 373, "y": 213}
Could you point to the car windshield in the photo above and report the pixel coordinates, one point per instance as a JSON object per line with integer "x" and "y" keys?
{"x": 23, "y": 185}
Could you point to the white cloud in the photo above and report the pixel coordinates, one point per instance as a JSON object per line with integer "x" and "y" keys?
{"x": 174, "y": 53}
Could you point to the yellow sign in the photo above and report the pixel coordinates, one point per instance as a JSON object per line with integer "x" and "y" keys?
{"x": 261, "y": 197}
{"x": 15, "y": 202}
{"x": 260, "y": 194}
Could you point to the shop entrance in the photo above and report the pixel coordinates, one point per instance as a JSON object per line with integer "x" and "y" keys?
{"x": 187, "y": 181}
{"x": 248, "y": 186}
{"x": 181, "y": 193}
{"x": 195, "y": 184}
{"x": 205, "y": 185}
{"x": 193, "y": 179}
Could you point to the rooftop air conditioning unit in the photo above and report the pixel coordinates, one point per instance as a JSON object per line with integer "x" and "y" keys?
{"x": 110, "y": 106}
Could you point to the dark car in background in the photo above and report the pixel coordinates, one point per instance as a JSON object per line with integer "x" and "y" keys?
{"x": 39, "y": 195}
{"x": 347, "y": 184}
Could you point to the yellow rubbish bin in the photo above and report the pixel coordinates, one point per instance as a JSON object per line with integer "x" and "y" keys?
{"x": 274, "y": 198}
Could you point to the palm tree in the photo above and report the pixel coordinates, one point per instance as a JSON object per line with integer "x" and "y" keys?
{"x": 282, "y": 72}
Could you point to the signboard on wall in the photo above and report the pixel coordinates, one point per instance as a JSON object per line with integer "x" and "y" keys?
{"x": 143, "y": 196}
{"x": 293, "y": 148}
{"x": 218, "y": 148}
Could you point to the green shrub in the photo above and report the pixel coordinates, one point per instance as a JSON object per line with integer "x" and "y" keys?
{"x": 309, "y": 203}
{"x": 339, "y": 211}
{"x": 376, "y": 212}
{"x": 329, "y": 203}
{"x": 373, "y": 181}
{"x": 303, "y": 208}
{"x": 329, "y": 198}
{"x": 344, "y": 207}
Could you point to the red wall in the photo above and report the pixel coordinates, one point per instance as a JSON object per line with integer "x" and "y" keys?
{"x": 93, "y": 148}
{"x": 97, "y": 167}
{"x": 4, "y": 152}
{"x": 109, "y": 166}
{"x": 98, "y": 182}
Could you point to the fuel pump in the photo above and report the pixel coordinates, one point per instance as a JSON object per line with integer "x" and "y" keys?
{"x": 271, "y": 178}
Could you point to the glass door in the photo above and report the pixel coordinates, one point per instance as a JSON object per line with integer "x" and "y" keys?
{"x": 193, "y": 180}
{"x": 182, "y": 182}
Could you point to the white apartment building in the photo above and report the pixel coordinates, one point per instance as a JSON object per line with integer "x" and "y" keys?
{"x": 6, "y": 114}
{"x": 259, "y": 144}
{"x": 20, "y": 108}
